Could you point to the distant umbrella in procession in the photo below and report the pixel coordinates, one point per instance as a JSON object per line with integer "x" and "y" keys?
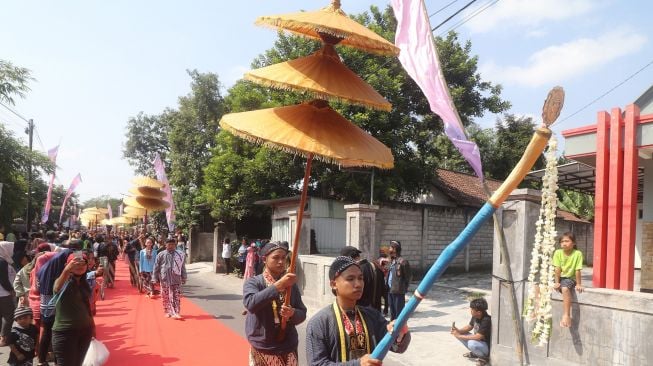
{"x": 71, "y": 189}
{"x": 313, "y": 129}
{"x": 92, "y": 216}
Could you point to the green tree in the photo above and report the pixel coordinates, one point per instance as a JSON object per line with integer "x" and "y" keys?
{"x": 13, "y": 81}
{"x": 184, "y": 138}
{"x": 411, "y": 130}
{"x": 511, "y": 136}
{"x": 580, "y": 204}
{"x": 191, "y": 138}
{"x": 13, "y": 175}
{"x": 147, "y": 135}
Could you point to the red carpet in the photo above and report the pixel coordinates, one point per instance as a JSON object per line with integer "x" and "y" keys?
{"x": 136, "y": 333}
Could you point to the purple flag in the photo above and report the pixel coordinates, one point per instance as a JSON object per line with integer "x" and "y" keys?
{"x": 52, "y": 154}
{"x": 72, "y": 187}
{"x": 110, "y": 210}
{"x": 160, "y": 170}
{"x": 419, "y": 58}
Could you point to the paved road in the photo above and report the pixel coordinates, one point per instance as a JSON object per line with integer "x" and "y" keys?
{"x": 221, "y": 296}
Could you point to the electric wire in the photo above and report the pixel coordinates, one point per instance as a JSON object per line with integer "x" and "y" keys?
{"x": 14, "y": 112}
{"x": 604, "y": 94}
{"x": 7, "y": 118}
{"x": 470, "y": 17}
{"x": 453, "y": 15}
{"x": 442, "y": 8}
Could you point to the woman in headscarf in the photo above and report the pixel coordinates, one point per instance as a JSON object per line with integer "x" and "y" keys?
{"x": 250, "y": 263}
{"x": 43, "y": 255}
{"x": 263, "y": 296}
{"x": 7, "y": 276}
{"x": 344, "y": 333}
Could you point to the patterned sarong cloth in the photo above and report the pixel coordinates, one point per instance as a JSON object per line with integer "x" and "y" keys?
{"x": 171, "y": 295}
{"x": 146, "y": 280}
{"x": 259, "y": 358}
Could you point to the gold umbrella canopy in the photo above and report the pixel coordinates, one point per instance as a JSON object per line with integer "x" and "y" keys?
{"x": 94, "y": 211}
{"x": 333, "y": 21}
{"x": 142, "y": 181}
{"x": 311, "y": 128}
{"x": 120, "y": 220}
{"x": 148, "y": 203}
{"x": 135, "y": 210}
{"x": 323, "y": 75}
{"x": 147, "y": 192}
{"x": 132, "y": 216}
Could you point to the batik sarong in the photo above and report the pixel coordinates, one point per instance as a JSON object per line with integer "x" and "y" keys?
{"x": 259, "y": 358}
{"x": 171, "y": 297}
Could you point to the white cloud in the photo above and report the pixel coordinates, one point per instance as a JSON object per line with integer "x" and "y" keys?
{"x": 529, "y": 13}
{"x": 557, "y": 63}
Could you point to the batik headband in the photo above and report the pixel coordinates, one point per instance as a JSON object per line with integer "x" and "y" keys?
{"x": 339, "y": 265}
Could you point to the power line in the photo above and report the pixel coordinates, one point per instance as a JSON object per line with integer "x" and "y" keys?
{"x": 14, "y": 112}
{"x": 453, "y": 15}
{"x": 470, "y": 17}
{"x": 5, "y": 118}
{"x": 38, "y": 138}
{"x": 604, "y": 94}
{"x": 442, "y": 8}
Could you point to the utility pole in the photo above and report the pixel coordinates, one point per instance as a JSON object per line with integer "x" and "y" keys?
{"x": 30, "y": 132}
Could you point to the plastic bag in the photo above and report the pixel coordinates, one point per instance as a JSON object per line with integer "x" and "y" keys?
{"x": 97, "y": 354}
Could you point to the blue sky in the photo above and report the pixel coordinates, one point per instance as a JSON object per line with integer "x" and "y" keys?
{"x": 98, "y": 63}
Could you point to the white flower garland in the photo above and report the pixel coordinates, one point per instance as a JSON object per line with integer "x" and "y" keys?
{"x": 538, "y": 305}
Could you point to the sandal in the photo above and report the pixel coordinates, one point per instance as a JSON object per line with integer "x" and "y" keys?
{"x": 470, "y": 355}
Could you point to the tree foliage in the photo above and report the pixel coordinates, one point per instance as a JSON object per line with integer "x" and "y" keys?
{"x": 411, "y": 130}
{"x": 13, "y": 81}
{"x": 184, "y": 138}
{"x": 511, "y": 136}
{"x": 146, "y": 135}
{"x": 13, "y": 174}
{"x": 580, "y": 204}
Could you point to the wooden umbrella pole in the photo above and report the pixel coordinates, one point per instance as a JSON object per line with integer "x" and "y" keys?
{"x": 295, "y": 242}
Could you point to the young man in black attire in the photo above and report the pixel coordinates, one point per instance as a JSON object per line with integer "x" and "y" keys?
{"x": 373, "y": 279}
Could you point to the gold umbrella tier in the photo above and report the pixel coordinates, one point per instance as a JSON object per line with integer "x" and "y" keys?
{"x": 135, "y": 210}
{"x": 142, "y": 181}
{"x": 310, "y": 128}
{"x": 324, "y": 76}
{"x": 147, "y": 192}
{"x": 148, "y": 203}
{"x": 335, "y": 22}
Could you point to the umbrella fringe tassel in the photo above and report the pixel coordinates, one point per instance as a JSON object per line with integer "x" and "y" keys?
{"x": 289, "y": 25}
{"x": 387, "y": 107}
{"x": 294, "y": 151}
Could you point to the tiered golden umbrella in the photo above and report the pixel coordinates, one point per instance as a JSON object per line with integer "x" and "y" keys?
{"x": 313, "y": 129}
{"x": 333, "y": 21}
{"x": 147, "y": 196}
{"x": 92, "y": 215}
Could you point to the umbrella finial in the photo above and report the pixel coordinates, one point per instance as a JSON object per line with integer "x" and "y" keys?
{"x": 335, "y": 4}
